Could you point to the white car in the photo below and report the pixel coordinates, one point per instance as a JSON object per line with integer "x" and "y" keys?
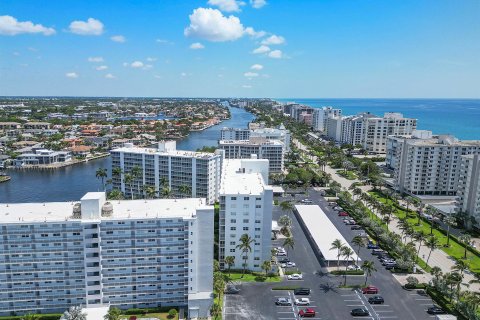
{"x": 295, "y": 276}
{"x": 353, "y": 267}
{"x": 281, "y": 254}
{"x": 288, "y": 265}
{"x": 302, "y": 302}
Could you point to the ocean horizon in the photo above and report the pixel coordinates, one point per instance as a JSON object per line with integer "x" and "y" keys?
{"x": 458, "y": 117}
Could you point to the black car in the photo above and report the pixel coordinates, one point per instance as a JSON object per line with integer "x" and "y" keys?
{"x": 436, "y": 310}
{"x": 356, "y": 227}
{"x": 284, "y": 260}
{"x": 302, "y": 291}
{"x": 360, "y": 312}
{"x": 376, "y": 300}
{"x": 232, "y": 290}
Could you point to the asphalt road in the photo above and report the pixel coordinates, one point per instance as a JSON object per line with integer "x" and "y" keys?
{"x": 257, "y": 300}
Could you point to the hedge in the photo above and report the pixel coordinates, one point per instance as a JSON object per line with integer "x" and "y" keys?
{"x": 46, "y": 316}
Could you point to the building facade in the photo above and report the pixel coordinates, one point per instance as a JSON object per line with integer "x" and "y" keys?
{"x": 234, "y": 134}
{"x": 129, "y": 254}
{"x": 320, "y": 116}
{"x": 468, "y": 193}
{"x": 167, "y": 167}
{"x": 424, "y": 164}
{"x": 245, "y": 208}
{"x": 258, "y": 131}
{"x": 272, "y": 150}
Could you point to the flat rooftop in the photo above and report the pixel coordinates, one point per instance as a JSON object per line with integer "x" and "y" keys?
{"x": 122, "y": 210}
{"x": 175, "y": 153}
{"x": 235, "y": 181}
{"x": 254, "y": 141}
{"x": 322, "y": 231}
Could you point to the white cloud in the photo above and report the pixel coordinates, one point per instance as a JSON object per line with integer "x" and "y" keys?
{"x": 137, "y": 64}
{"x": 10, "y": 26}
{"x": 257, "y": 4}
{"x": 110, "y": 76}
{"x": 273, "y": 39}
{"x": 261, "y": 49}
{"x": 256, "y": 67}
{"x": 196, "y": 46}
{"x": 276, "y": 54}
{"x": 72, "y": 75}
{"x": 100, "y": 68}
{"x": 150, "y": 59}
{"x": 147, "y": 66}
{"x": 91, "y": 27}
{"x": 162, "y": 41}
{"x": 227, "y": 5}
{"x": 250, "y": 74}
{"x": 255, "y": 34}
{"x": 212, "y": 25}
{"x": 183, "y": 74}
{"x": 246, "y": 86}
{"x": 118, "y": 38}
{"x": 95, "y": 59}
{"x": 157, "y": 76}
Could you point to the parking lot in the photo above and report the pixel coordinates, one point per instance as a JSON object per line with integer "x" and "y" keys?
{"x": 257, "y": 300}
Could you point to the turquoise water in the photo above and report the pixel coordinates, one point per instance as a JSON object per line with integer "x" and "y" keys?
{"x": 460, "y": 117}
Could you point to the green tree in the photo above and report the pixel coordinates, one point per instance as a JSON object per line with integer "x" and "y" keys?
{"x": 460, "y": 266}
{"x": 432, "y": 243}
{"x": 74, "y": 313}
{"x": 172, "y": 313}
{"x": 289, "y": 243}
{"x": 166, "y": 192}
{"x": 346, "y": 253}
{"x": 216, "y": 310}
{"x": 185, "y": 189}
{"x": 337, "y": 244}
{"x": 128, "y": 178}
{"x": 30, "y": 316}
{"x": 113, "y": 314}
{"x": 449, "y": 221}
{"x": 266, "y": 266}
{"x": 359, "y": 242}
{"x": 229, "y": 261}
{"x": 245, "y": 246}
{"x": 137, "y": 174}
{"x": 151, "y": 192}
{"x": 368, "y": 267}
{"x": 115, "y": 194}
{"x": 465, "y": 240}
{"x": 101, "y": 174}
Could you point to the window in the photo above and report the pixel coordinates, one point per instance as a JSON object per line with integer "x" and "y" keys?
{"x": 246, "y": 198}
{"x": 245, "y": 220}
{"x": 233, "y": 198}
{"x": 232, "y": 250}
{"x": 245, "y": 228}
{"x": 233, "y": 228}
{"x": 233, "y": 220}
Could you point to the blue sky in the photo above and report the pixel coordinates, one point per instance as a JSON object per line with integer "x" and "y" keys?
{"x": 305, "y": 48}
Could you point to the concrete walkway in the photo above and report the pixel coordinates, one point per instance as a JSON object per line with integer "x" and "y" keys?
{"x": 437, "y": 258}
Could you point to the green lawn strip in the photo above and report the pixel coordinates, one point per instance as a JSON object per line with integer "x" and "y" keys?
{"x": 160, "y": 315}
{"x": 443, "y": 302}
{"x": 252, "y": 277}
{"x": 350, "y": 175}
{"x": 455, "y": 250}
{"x": 349, "y": 272}
{"x": 39, "y": 316}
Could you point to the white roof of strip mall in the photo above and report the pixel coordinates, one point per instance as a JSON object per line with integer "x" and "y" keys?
{"x": 322, "y": 231}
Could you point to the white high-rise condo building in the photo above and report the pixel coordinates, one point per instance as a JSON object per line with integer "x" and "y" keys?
{"x": 128, "y": 254}
{"x": 280, "y": 133}
{"x": 377, "y": 129}
{"x": 167, "y": 167}
{"x": 245, "y": 208}
{"x": 320, "y": 116}
{"x": 272, "y": 150}
{"x": 468, "y": 193}
{"x": 424, "y": 164}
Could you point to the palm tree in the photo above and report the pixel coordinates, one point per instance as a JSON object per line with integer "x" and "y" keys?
{"x": 460, "y": 266}
{"x": 245, "y": 246}
{"x": 387, "y": 220}
{"x": 115, "y": 194}
{"x": 286, "y": 206}
{"x": 230, "y": 261}
{"x": 128, "y": 181}
{"x": 113, "y": 314}
{"x": 164, "y": 181}
{"x": 357, "y": 191}
{"x": 432, "y": 244}
{"x": 368, "y": 267}
{"x": 137, "y": 173}
{"x": 289, "y": 242}
{"x": 266, "y": 266}
{"x": 337, "y": 245}
{"x": 420, "y": 237}
{"x": 74, "y": 313}
{"x": 116, "y": 172}
{"x": 101, "y": 174}
{"x": 436, "y": 272}
{"x": 185, "y": 189}
{"x": 449, "y": 221}
{"x": 359, "y": 242}
{"x": 434, "y": 213}
{"x": 166, "y": 192}
{"x": 215, "y": 310}
{"x": 150, "y": 191}
{"x": 476, "y": 277}
{"x": 347, "y": 253}
{"x": 465, "y": 240}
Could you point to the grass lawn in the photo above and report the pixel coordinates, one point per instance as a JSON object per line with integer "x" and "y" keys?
{"x": 455, "y": 250}
{"x": 350, "y": 175}
{"x": 252, "y": 277}
{"x": 161, "y": 316}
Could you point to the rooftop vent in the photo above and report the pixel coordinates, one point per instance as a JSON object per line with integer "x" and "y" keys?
{"x": 77, "y": 211}
{"x": 107, "y": 209}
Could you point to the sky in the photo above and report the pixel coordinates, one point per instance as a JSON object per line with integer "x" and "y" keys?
{"x": 247, "y": 48}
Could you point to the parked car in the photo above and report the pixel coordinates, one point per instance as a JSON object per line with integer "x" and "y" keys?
{"x": 306, "y": 201}
{"x": 376, "y": 300}
{"x": 332, "y": 204}
{"x": 337, "y": 208}
{"x": 372, "y": 245}
{"x": 370, "y": 290}
{"x": 362, "y": 234}
{"x": 295, "y": 276}
{"x": 360, "y": 312}
{"x": 376, "y": 252}
{"x": 353, "y": 267}
{"x": 307, "y": 313}
{"x": 283, "y": 302}
{"x": 356, "y": 227}
{"x": 288, "y": 265}
{"x": 232, "y": 290}
{"x": 435, "y": 310}
{"x": 302, "y": 291}
{"x": 343, "y": 214}
{"x": 284, "y": 260}
{"x": 302, "y": 302}
{"x": 281, "y": 253}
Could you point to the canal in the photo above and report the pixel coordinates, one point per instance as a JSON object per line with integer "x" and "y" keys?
{"x": 71, "y": 183}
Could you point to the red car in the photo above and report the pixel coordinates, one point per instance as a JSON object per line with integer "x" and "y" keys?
{"x": 343, "y": 214}
{"x": 308, "y": 312}
{"x": 370, "y": 290}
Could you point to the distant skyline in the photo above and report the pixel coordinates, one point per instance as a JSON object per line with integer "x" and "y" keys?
{"x": 249, "y": 48}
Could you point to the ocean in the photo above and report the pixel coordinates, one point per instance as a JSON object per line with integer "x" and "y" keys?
{"x": 459, "y": 117}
